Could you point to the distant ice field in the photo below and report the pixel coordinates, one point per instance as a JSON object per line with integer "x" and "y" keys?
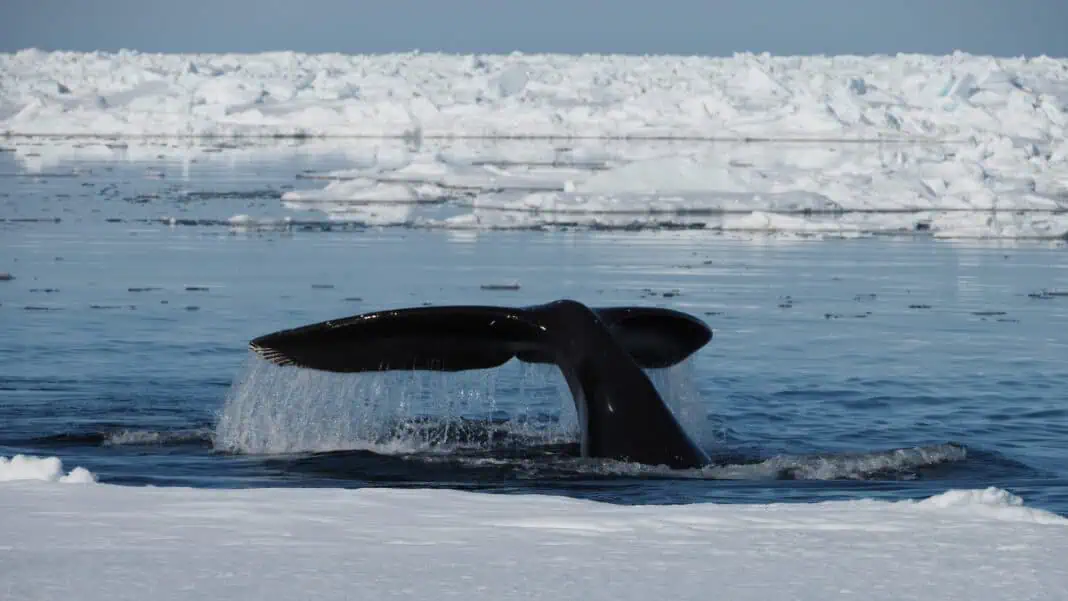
{"x": 959, "y": 146}
{"x": 959, "y": 96}
{"x": 964, "y": 190}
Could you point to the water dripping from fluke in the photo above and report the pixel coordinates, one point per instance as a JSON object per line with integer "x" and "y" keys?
{"x": 512, "y": 423}
{"x": 511, "y": 411}
{"x": 284, "y": 410}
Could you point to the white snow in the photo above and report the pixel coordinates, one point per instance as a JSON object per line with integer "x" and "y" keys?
{"x": 23, "y": 467}
{"x": 967, "y": 146}
{"x": 111, "y": 543}
{"x": 994, "y": 189}
{"x": 420, "y": 94}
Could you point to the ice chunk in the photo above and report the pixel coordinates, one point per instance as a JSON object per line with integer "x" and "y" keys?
{"x": 49, "y": 469}
{"x": 429, "y": 95}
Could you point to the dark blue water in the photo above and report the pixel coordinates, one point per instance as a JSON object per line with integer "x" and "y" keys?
{"x": 839, "y": 368}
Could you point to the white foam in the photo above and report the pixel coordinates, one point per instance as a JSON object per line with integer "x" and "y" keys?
{"x": 836, "y": 467}
{"x": 49, "y": 469}
{"x": 154, "y": 437}
{"x": 115, "y": 543}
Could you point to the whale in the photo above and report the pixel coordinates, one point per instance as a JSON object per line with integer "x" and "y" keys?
{"x": 602, "y": 353}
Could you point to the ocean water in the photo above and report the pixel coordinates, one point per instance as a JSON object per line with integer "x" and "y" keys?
{"x": 875, "y": 367}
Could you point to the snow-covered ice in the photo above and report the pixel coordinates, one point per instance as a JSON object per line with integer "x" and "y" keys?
{"x": 23, "y": 467}
{"x": 420, "y": 94}
{"x": 111, "y": 542}
{"x": 969, "y": 146}
{"x": 977, "y": 190}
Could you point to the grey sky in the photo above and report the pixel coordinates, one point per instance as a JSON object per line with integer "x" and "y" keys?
{"x": 710, "y": 27}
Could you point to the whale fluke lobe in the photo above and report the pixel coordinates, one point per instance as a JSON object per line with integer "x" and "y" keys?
{"x": 424, "y": 338}
{"x": 600, "y": 351}
{"x": 654, "y": 337}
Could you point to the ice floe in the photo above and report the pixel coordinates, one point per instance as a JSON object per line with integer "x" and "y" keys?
{"x": 113, "y": 542}
{"x": 425, "y": 94}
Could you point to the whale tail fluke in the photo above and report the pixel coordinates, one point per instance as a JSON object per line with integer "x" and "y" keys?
{"x": 459, "y": 338}
{"x": 601, "y": 352}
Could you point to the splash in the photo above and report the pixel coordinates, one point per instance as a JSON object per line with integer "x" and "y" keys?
{"x": 271, "y": 409}
{"x": 274, "y": 409}
{"x": 677, "y": 386}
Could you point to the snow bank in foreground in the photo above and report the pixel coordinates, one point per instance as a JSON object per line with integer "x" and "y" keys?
{"x": 22, "y": 467}
{"x": 532, "y": 95}
{"x": 113, "y": 543}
